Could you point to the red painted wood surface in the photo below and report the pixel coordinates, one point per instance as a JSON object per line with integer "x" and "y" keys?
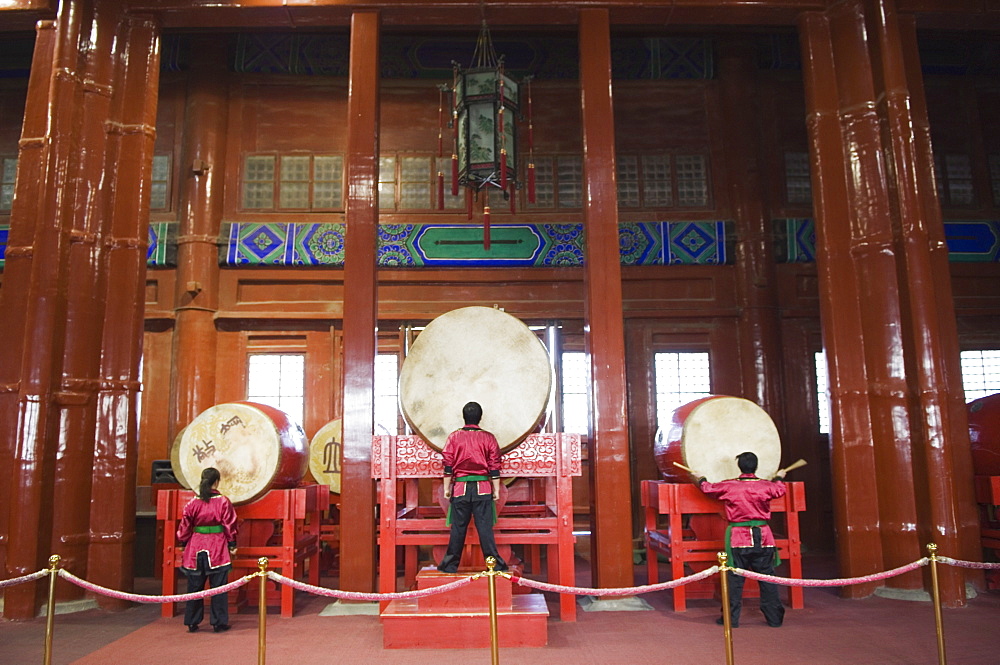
{"x": 357, "y": 544}
{"x": 687, "y": 553}
{"x": 611, "y": 490}
{"x": 856, "y": 512}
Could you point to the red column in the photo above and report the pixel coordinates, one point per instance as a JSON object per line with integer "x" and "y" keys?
{"x": 17, "y": 278}
{"x": 611, "y": 487}
{"x": 132, "y": 133}
{"x": 357, "y": 497}
{"x": 946, "y": 502}
{"x": 855, "y": 494}
{"x": 203, "y": 160}
{"x": 760, "y": 336}
{"x": 51, "y": 110}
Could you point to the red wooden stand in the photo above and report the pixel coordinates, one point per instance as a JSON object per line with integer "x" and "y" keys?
{"x": 538, "y": 510}
{"x": 695, "y": 534}
{"x": 988, "y": 498}
{"x": 297, "y": 510}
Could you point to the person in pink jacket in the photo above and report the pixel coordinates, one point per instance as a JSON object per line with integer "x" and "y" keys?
{"x": 749, "y": 541}
{"x": 207, "y": 532}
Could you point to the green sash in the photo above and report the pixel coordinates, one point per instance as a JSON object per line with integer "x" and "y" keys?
{"x": 750, "y": 523}
{"x": 469, "y": 479}
{"x": 215, "y": 528}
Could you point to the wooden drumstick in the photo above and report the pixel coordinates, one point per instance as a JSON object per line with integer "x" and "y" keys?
{"x": 793, "y": 466}
{"x": 689, "y": 470}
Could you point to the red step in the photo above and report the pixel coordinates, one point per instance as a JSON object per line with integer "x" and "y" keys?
{"x": 406, "y": 626}
{"x": 474, "y": 597}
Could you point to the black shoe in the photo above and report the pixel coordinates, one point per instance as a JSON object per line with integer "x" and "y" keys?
{"x": 722, "y": 622}
{"x": 221, "y": 628}
{"x": 193, "y": 628}
{"x": 774, "y": 625}
{"x": 450, "y": 571}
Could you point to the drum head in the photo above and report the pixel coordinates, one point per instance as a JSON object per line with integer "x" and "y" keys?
{"x": 175, "y": 461}
{"x": 709, "y": 436}
{"x": 325, "y": 454}
{"x": 246, "y": 442}
{"x": 475, "y": 354}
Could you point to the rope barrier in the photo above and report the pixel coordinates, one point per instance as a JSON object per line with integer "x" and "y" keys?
{"x": 843, "y": 581}
{"x": 621, "y": 591}
{"x": 359, "y": 595}
{"x": 24, "y": 578}
{"x": 138, "y": 598}
{"x": 968, "y": 564}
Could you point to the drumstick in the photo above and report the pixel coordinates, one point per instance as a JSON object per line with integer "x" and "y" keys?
{"x": 681, "y": 466}
{"x": 793, "y": 466}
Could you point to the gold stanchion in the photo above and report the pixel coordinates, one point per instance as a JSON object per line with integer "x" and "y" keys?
{"x": 936, "y": 594}
{"x": 727, "y": 621}
{"x": 491, "y": 563}
{"x": 262, "y": 612}
{"x": 51, "y": 613}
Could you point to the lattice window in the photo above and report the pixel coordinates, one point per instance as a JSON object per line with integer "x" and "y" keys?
{"x": 415, "y": 183}
{"x": 387, "y": 182}
{"x": 980, "y": 373}
{"x": 798, "y": 186}
{"x": 570, "y": 186}
{"x": 159, "y": 189}
{"x": 628, "y": 181}
{"x": 692, "y": 180}
{"x": 545, "y": 184}
{"x": 328, "y": 181}
{"x": 657, "y": 181}
{"x": 7, "y": 185}
{"x": 575, "y": 398}
{"x": 954, "y": 177}
{"x": 258, "y": 182}
{"x": 680, "y": 378}
{"x": 386, "y": 394}
{"x": 822, "y": 392}
{"x": 278, "y": 380}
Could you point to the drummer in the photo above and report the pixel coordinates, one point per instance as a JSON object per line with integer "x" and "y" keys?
{"x": 472, "y": 484}
{"x": 749, "y": 541}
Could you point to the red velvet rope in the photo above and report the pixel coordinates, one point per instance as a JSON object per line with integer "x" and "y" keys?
{"x": 623, "y": 591}
{"x": 139, "y": 598}
{"x": 24, "y": 578}
{"x": 843, "y": 581}
{"x": 359, "y": 595}
{"x": 968, "y": 564}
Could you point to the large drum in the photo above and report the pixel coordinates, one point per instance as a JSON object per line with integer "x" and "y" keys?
{"x": 707, "y": 434}
{"x": 326, "y": 452}
{"x": 255, "y": 447}
{"x": 984, "y": 434}
{"x": 475, "y": 354}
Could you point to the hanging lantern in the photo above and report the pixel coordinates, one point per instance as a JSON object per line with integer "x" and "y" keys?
{"x": 485, "y": 106}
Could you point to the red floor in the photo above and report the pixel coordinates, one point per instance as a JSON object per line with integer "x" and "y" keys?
{"x": 828, "y": 630}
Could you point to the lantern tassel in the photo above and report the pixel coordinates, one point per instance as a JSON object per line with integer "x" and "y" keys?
{"x": 486, "y": 228}
{"x": 440, "y": 191}
{"x": 503, "y": 170}
{"x": 531, "y": 183}
{"x": 454, "y": 174}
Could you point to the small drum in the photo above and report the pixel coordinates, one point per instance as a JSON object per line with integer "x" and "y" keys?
{"x": 707, "y": 434}
{"x": 254, "y": 446}
{"x": 475, "y": 354}
{"x": 984, "y": 434}
{"x": 326, "y": 451}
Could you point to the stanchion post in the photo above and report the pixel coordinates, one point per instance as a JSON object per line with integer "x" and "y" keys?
{"x": 262, "y": 612}
{"x": 491, "y": 563}
{"x": 936, "y": 594}
{"x": 51, "y": 613}
{"x": 727, "y": 622}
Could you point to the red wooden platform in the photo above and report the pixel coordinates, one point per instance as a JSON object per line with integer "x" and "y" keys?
{"x": 538, "y": 512}
{"x": 690, "y": 550}
{"x": 296, "y": 511}
{"x": 460, "y": 619}
{"x": 988, "y": 498}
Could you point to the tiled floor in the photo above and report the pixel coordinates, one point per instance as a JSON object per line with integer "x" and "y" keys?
{"x": 828, "y": 630}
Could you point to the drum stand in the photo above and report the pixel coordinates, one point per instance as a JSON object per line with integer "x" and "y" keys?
{"x": 298, "y": 510}
{"x": 538, "y": 512}
{"x": 695, "y": 533}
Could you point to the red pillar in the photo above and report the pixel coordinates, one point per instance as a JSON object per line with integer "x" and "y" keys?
{"x": 611, "y": 487}
{"x": 852, "y": 457}
{"x": 942, "y": 458}
{"x": 357, "y": 497}
{"x": 132, "y": 133}
{"x": 203, "y": 160}
{"x": 760, "y": 336}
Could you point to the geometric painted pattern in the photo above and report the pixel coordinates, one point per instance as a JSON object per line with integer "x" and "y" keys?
{"x": 973, "y": 241}
{"x": 4, "y": 233}
{"x": 453, "y": 245}
{"x": 795, "y": 240}
{"x": 161, "y": 251}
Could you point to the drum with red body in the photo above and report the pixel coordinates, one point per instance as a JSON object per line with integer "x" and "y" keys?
{"x": 707, "y": 434}
{"x": 984, "y": 434}
{"x": 254, "y": 446}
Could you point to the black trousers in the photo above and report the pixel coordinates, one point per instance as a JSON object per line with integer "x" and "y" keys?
{"x": 194, "y": 611}
{"x": 759, "y": 560}
{"x": 479, "y": 507}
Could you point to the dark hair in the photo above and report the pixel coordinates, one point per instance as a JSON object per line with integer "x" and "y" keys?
{"x": 472, "y": 413}
{"x": 209, "y": 476}
{"x": 747, "y": 462}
